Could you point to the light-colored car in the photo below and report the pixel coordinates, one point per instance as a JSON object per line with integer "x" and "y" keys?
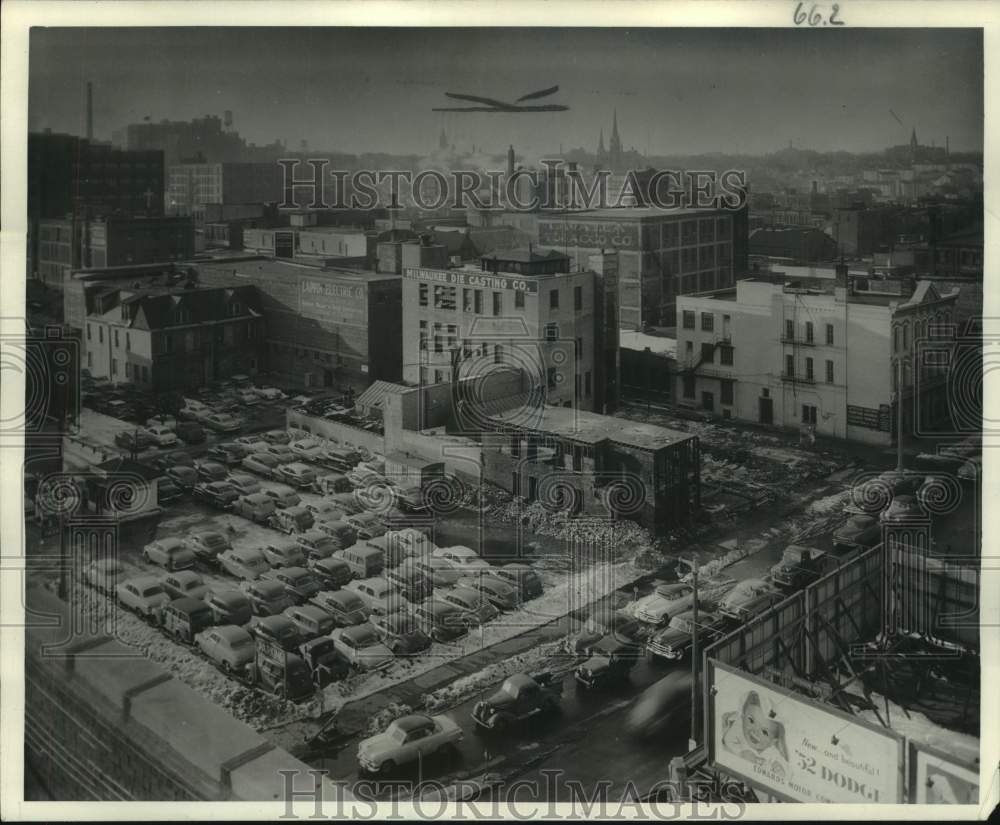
{"x": 269, "y": 393}
{"x": 260, "y": 464}
{"x": 366, "y": 525}
{"x": 167, "y": 421}
{"x": 463, "y": 559}
{"x": 666, "y": 601}
{"x": 411, "y": 541}
{"x": 207, "y": 544}
{"x": 143, "y": 594}
{"x": 243, "y": 483}
{"x": 222, "y": 422}
{"x": 440, "y": 572}
{"x": 210, "y": 470}
{"x": 103, "y": 574}
{"x": 282, "y": 495}
{"x": 229, "y": 605}
{"x": 311, "y": 621}
{"x": 276, "y": 437}
{"x": 297, "y": 474}
{"x": 248, "y": 397}
{"x": 325, "y": 510}
{"x": 316, "y": 544}
{"x": 229, "y": 646}
{"x": 406, "y": 740}
{"x": 300, "y": 584}
{"x": 244, "y": 562}
{"x": 308, "y": 449}
{"x": 161, "y": 435}
{"x": 361, "y": 646}
{"x": 230, "y": 452}
{"x": 522, "y": 578}
{"x": 170, "y": 553}
{"x": 267, "y": 597}
{"x": 216, "y": 493}
{"x": 282, "y": 452}
{"x": 748, "y": 598}
{"x": 257, "y": 507}
{"x": 498, "y": 592}
{"x": 379, "y": 594}
{"x": 279, "y": 629}
{"x": 193, "y": 411}
{"x": 348, "y": 609}
{"x": 284, "y": 553}
{"x": 475, "y": 603}
{"x": 184, "y": 583}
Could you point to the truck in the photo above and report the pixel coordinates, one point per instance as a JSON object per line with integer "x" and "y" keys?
{"x": 799, "y": 566}
{"x": 610, "y": 662}
{"x": 520, "y": 697}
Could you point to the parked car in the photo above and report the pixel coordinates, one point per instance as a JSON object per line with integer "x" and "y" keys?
{"x": 184, "y": 583}
{"x": 190, "y": 432}
{"x": 144, "y": 595}
{"x": 184, "y": 477}
{"x": 378, "y": 594}
{"x": 411, "y": 541}
{"x": 410, "y": 498}
{"x": 210, "y": 470}
{"x": 364, "y": 560}
{"x": 316, "y": 544}
{"x": 284, "y": 553}
{"x": 463, "y": 559}
{"x": 674, "y": 641}
{"x": 260, "y": 464}
{"x": 522, "y": 578}
{"x": 361, "y": 646}
{"x": 279, "y": 629}
{"x": 407, "y": 739}
{"x": 167, "y": 490}
{"x": 799, "y": 566}
{"x": 440, "y": 571}
{"x": 474, "y": 603}
{"x": 901, "y": 509}
{"x": 520, "y": 697}
{"x": 340, "y": 531}
{"x": 346, "y": 608}
{"x": 103, "y": 574}
{"x": 964, "y": 450}
{"x": 612, "y": 623}
{"x": 292, "y": 520}
{"x": 858, "y": 532}
{"x": 257, "y": 507}
{"x": 282, "y": 452}
{"x": 254, "y": 443}
{"x": 244, "y": 563}
{"x": 221, "y": 422}
{"x": 361, "y": 477}
{"x": 300, "y": 584}
{"x": 185, "y": 617}
{"x": 269, "y": 393}
{"x": 193, "y": 410}
{"x": 365, "y": 525}
{"x": 442, "y": 621}
{"x": 137, "y": 440}
{"x": 229, "y": 453}
{"x": 282, "y": 495}
{"x": 400, "y": 632}
{"x": 308, "y": 449}
{"x": 207, "y": 544}
{"x": 289, "y": 678}
{"x": 310, "y": 620}
{"x": 174, "y": 459}
{"x": 325, "y": 510}
{"x": 217, "y": 493}
{"x": 161, "y": 435}
{"x": 170, "y": 553}
{"x": 266, "y": 597}
{"x": 498, "y": 592}
{"x": 167, "y": 421}
{"x": 325, "y": 663}
{"x": 666, "y": 601}
{"x": 229, "y": 606}
{"x": 347, "y": 502}
{"x": 243, "y": 483}
{"x": 341, "y": 459}
{"x": 230, "y": 647}
{"x": 276, "y": 437}
{"x": 297, "y": 474}
{"x": 410, "y": 581}
{"x": 331, "y": 483}
{"x": 333, "y": 573}
{"x": 747, "y": 599}
{"x": 248, "y": 397}
{"x": 610, "y": 662}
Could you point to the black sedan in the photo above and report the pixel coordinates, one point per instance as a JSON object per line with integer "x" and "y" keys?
{"x": 217, "y": 493}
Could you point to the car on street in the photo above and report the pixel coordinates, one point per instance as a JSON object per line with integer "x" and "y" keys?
{"x": 284, "y": 553}
{"x": 207, "y": 544}
{"x": 498, "y": 592}
{"x": 184, "y": 477}
{"x": 143, "y": 595}
{"x": 310, "y": 620}
{"x": 347, "y": 608}
{"x": 297, "y": 474}
{"x": 137, "y": 440}
{"x": 964, "y": 450}
{"x": 216, "y": 493}
{"x": 747, "y": 599}
{"x": 523, "y": 578}
{"x": 210, "y": 470}
{"x": 244, "y": 562}
{"x": 229, "y": 453}
{"x": 169, "y": 553}
{"x": 244, "y": 483}
{"x": 478, "y": 608}
{"x": 378, "y": 594}
{"x": 406, "y": 740}
{"x": 300, "y": 584}
{"x": 167, "y": 421}
{"x": 325, "y": 663}
{"x": 332, "y": 572}
{"x": 901, "y": 509}
{"x": 674, "y": 641}
{"x": 616, "y": 624}
{"x": 167, "y": 490}
{"x": 184, "y": 583}
{"x": 269, "y": 393}
{"x": 190, "y": 432}
{"x": 365, "y": 525}
{"x": 361, "y": 646}
{"x": 400, "y": 632}
{"x": 174, "y": 459}
{"x": 161, "y": 435}
{"x": 282, "y": 495}
{"x": 666, "y": 601}
{"x": 230, "y": 647}
{"x": 229, "y": 605}
{"x": 260, "y": 464}
{"x": 326, "y": 483}
{"x": 611, "y": 660}
{"x": 858, "y": 532}
{"x": 442, "y": 621}
{"x": 103, "y": 574}
{"x": 520, "y": 697}
{"x": 279, "y": 629}
{"x": 308, "y": 449}
{"x": 463, "y": 559}
{"x": 266, "y": 597}
{"x": 222, "y": 422}
{"x": 257, "y": 507}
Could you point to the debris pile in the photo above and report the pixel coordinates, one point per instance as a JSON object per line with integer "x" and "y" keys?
{"x": 381, "y": 719}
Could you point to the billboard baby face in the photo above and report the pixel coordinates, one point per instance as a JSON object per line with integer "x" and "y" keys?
{"x": 753, "y": 732}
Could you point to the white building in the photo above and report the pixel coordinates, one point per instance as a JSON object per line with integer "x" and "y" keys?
{"x": 820, "y": 354}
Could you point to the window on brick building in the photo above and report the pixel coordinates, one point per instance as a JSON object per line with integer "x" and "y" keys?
{"x": 687, "y": 319}
{"x": 727, "y": 392}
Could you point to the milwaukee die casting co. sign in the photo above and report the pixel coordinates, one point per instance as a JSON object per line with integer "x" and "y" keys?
{"x": 796, "y": 748}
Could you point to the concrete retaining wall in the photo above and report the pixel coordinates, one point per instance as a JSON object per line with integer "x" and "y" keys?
{"x": 344, "y": 433}
{"x": 104, "y": 723}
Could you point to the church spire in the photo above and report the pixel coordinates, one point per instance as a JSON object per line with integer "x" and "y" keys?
{"x": 913, "y": 138}
{"x": 615, "y": 145}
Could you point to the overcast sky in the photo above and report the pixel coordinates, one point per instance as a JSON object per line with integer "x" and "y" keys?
{"x": 676, "y": 90}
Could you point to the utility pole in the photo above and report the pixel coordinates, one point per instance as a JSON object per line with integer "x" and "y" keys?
{"x": 693, "y": 740}
{"x": 899, "y": 415}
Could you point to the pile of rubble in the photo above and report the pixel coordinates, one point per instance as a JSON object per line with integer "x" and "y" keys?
{"x": 381, "y": 719}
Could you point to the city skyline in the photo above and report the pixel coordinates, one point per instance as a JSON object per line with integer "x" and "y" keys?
{"x": 364, "y": 101}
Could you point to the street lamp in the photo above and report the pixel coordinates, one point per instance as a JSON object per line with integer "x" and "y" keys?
{"x": 693, "y": 739}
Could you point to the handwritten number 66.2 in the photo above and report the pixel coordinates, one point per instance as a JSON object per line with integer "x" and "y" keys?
{"x": 815, "y": 18}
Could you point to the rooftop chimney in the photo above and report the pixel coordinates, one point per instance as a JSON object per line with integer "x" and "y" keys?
{"x": 90, "y": 110}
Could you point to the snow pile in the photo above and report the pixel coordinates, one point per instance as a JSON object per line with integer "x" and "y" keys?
{"x": 712, "y": 568}
{"x": 385, "y": 717}
{"x": 914, "y": 725}
{"x": 830, "y": 504}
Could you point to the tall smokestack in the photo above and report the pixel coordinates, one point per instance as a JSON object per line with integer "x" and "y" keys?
{"x": 90, "y": 110}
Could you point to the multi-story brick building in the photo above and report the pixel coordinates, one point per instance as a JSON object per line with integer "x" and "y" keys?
{"x": 661, "y": 253}
{"x": 191, "y": 187}
{"x": 828, "y": 356}
{"x": 520, "y": 309}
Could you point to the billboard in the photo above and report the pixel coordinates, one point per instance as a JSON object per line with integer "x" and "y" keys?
{"x": 333, "y": 302}
{"x": 615, "y": 235}
{"x": 798, "y": 749}
{"x": 938, "y": 778}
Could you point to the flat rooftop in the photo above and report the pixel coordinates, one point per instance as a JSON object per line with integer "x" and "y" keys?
{"x": 591, "y": 428}
{"x": 632, "y": 213}
{"x": 270, "y": 267}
